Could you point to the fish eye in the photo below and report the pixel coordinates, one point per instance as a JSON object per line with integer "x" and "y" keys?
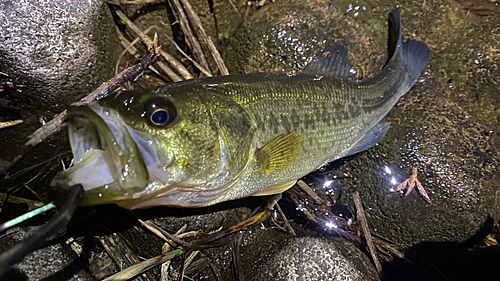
{"x": 160, "y": 112}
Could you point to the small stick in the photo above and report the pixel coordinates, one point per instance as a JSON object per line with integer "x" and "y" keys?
{"x": 166, "y": 69}
{"x": 201, "y": 33}
{"x": 7, "y": 124}
{"x": 216, "y": 271}
{"x": 234, "y": 7}
{"x": 144, "y": 266}
{"x": 190, "y": 258}
{"x": 19, "y": 200}
{"x": 309, "y": 191}
{"x": 175, "y": 63}
{"x": 206, "y": 72}
{"x": 152, "y": 227}
{"x": 195, "y": 44}
{"x": 102, "y": 91}
{"x": 366, "y": 230}
{"x": 288, "y": 226}
{"x": 238, "y": 269}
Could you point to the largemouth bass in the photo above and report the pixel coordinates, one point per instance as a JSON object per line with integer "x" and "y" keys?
{"x": 205, "y": 141}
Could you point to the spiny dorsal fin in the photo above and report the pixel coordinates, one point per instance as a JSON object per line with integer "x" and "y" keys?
{"x": 369, "y": 139}
{"x": 279, "y": 154}
{"x": 332, "y": 61}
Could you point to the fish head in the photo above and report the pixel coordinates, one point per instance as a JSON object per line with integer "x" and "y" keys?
{"x": 134, "y": 145}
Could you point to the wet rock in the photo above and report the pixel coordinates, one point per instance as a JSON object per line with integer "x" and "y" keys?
{"x": 446, "y": 126}
{"x": 59, "y": 47}
{"x": 284, "y": 36}
{"x": 56, "y": 262}
{"x": 278, "y": 256}
{"x": 264, "y": 253}
{"x": 54, "y": 53}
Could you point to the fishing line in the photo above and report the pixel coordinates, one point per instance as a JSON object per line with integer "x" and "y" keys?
{"x": 68, "y": 199}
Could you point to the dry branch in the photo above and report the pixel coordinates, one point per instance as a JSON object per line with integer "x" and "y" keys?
{"x": 186, "y": 29}
{"x": 366, "y": 230}
{"x": 129, "y": 47}
{"x": 175, "y": 63}
{"x": 7, "y": 124}
{"x": 193, "y": 17}
{"x": 206, "y": 72}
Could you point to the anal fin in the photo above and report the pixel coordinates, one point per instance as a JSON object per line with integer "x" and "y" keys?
{"x": 369, "y": 139}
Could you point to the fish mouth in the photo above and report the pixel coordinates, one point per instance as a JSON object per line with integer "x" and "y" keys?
{"x": 111, "y": 159}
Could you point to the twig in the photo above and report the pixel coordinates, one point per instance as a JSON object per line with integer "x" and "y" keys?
{"x": 169, "y": 72}
{"x": 110, "y": 253}
{"x": 191, "y": 257}
{"x": 180, "y": 275}
{"x": 34, "y": 193}
{"x": 288, "y": 226}
{"x": 238, "y": 269}
{"x": 186, "y": 29}
{"x": 171, "y": 239}
{"x": 144, "y": 266}
{"x": 206, "y": 72}
{"x": 22, "y": 171}
{"x": 309, "y": 192}
{"x": 155, "y": 230}
{"x": 193, "y": 17}
{"x": 253, "y": 220}
{"x": 175, "y": 63}
{"x": 129, "y": 47}
{"x": 366, "y": 230}
{"x": 216, "y": 271}
{"x": 183, "y": 268}
{"x": 7, "y": 124}
{"x": 234, "y": 7}
{"x": 102, "y": 91}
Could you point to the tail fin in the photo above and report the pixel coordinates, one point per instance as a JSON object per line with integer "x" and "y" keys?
{"x": 415, "y": 53}
{"x": 415, "y": 57}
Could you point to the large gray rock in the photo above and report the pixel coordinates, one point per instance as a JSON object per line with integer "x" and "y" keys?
{"x": 60, "y": 48}
{"x": 55, "y": 52}
{"x": 56, "y": 262}
{"x": 282, "y": 257}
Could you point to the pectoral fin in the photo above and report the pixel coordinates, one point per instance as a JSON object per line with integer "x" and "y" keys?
{"x": 278, "y": 189}
{"x": 280, "y": 153}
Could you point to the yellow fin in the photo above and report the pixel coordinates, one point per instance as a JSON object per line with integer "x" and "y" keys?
{"x": 277, "y": 189}
{"x": 279, "y": 154}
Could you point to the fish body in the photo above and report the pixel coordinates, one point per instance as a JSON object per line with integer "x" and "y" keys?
{"x": 205, "y": 141}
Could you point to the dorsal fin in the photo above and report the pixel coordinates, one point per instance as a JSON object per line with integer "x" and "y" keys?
{"x": 332, "y": 61}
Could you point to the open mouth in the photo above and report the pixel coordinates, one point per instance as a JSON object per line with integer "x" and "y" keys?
{"x": 105, "y": 153}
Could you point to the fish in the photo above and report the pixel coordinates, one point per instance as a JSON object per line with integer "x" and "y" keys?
{"x": 204, "y": 141}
